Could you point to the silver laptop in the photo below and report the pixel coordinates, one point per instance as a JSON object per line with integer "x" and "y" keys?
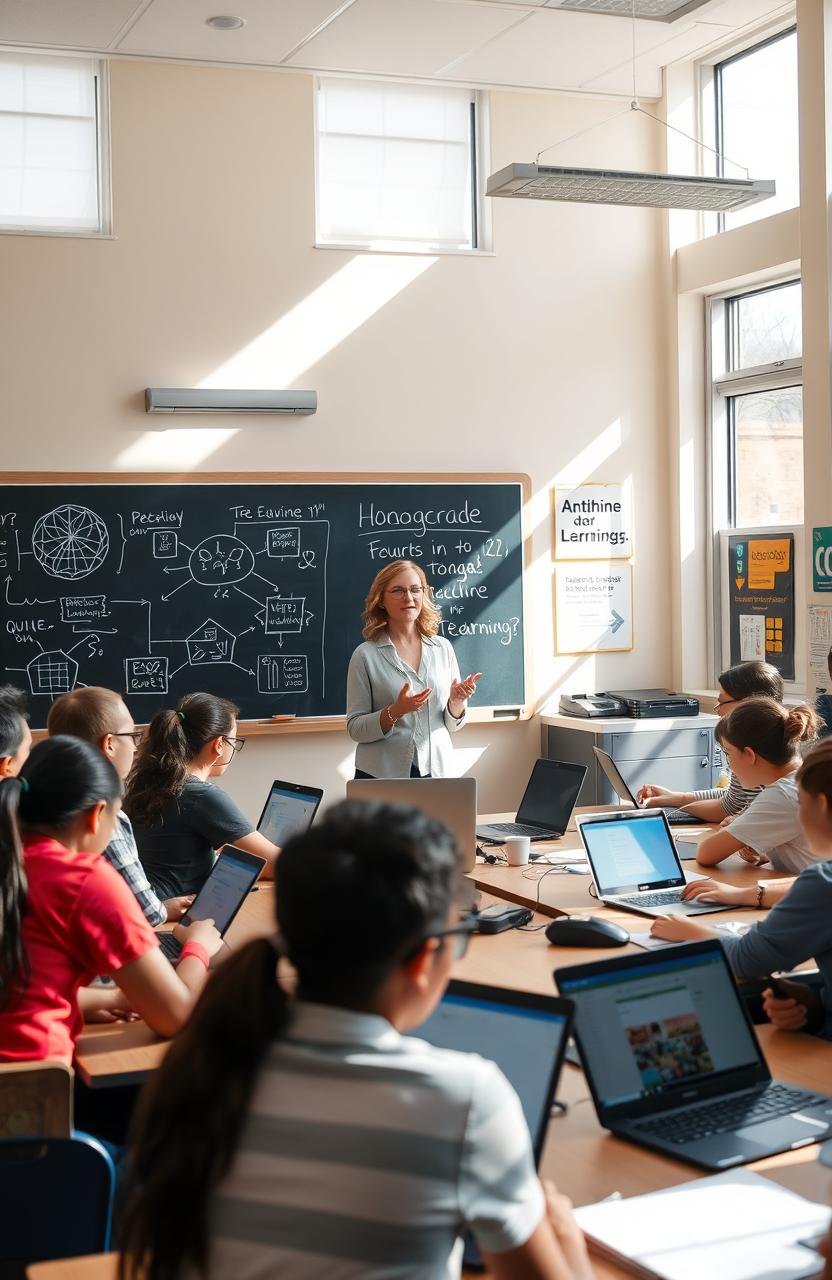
{"x": 635, "y": 865}
{"x": 452, "y": 801}
{"x": 676, "y": 817}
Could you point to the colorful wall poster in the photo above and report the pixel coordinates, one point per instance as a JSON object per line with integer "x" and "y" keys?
{"x": 761, "y": 595}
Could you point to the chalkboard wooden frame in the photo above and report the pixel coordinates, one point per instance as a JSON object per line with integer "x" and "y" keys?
{"x": 317, "y": 724}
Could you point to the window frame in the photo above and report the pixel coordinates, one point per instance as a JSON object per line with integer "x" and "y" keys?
{"x": 725, "y": 385}
{"x": 480, "y": 154}
{"x": 103, "y": 155}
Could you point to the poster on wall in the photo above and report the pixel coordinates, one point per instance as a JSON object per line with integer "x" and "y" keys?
{"x": 593, "y": 522}
{"x": 593, "y": 608}
{"x": 820, "y": 646}
{"x": 761, "y": 595}
{"x": 822, "y": 558}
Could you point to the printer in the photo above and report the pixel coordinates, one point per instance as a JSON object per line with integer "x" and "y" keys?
{"x": 654, "y": 704}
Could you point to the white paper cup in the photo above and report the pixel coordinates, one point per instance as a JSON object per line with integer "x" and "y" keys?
{"x": 518, "y": 849}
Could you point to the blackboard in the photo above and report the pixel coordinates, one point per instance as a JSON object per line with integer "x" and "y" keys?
{"x": 250, "y": 587}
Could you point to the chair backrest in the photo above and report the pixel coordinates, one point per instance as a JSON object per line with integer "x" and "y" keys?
{"x": 57, "y": 1199}
{"x": 35, "y": 1100}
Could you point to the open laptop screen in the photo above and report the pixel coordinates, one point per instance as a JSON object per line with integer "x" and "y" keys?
{"x": 631, "y": 851}
{"x": 224, "y": 892}
{"x": 551, "y": 793}
{"x": 525, "y": 1035}
{"x": 288, "y": 811}
{"x": 658, "y": 1024}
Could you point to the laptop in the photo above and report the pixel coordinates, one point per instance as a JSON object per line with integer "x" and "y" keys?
{"x": 676, "y": 817}
{"x": 635, "y": 864}
{"x": 289, "y": 810}
{"x": 674, "y": 1064}
{"x": 220, "y": 898}
{"x": 453, "y": 801}
{"x": 546, "y": 807}
{"x": 526, "y": 1035}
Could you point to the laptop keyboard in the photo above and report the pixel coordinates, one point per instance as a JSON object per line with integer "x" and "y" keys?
{"x": 171, "y": 946}
{"x": 522, "y": 829}
{"x": 680, "y": 817}
{"x": 665, "y": 897}
{"x": 713, "y": 1118}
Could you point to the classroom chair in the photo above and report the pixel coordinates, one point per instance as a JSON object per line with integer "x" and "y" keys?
{"x": 57, "y": 1201}
{"x": 35, "y": 1100}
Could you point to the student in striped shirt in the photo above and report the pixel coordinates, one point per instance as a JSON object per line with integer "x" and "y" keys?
{"x": 745, "y": 680}
{"x": 308, "y": 1137}
{"x": 99, "y": 716}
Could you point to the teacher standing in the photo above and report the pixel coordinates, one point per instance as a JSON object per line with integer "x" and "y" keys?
{"x": 404, "y": 692}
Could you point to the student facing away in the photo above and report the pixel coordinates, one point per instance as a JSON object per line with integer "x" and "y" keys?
{"x": 100, "y": 717}
{"x": 179, "y": 818}
{"x": 67, "y": 916}
{"x": 15, "y": 734}
{"x": 799, "y": 927}
{"x": 313, "y": 1138}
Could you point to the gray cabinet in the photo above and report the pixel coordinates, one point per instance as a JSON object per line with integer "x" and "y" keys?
{"x": 683, "y": 756}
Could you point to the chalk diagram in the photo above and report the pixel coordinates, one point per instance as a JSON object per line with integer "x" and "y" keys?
{"x": 70, "y": 542}
{"x": 269, "y": 569}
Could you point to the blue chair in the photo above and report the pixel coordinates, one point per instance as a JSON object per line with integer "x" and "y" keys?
{"x": 56, "y": 1200}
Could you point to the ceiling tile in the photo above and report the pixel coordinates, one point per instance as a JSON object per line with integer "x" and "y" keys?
{"x": 70, "y": 24}
{"x": 684, "y": 44}
{"x": 408, "y": 37}
{"x": 177, "y": 29}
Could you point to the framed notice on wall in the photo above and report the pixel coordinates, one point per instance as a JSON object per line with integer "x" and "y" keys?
{"x": 761, "y": 600}
{"x": 593, "y": 608}
{"x": 593, "y": 522}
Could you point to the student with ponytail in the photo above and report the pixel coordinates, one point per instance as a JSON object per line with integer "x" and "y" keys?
{"x": 66, "y": 915}
{"x": 179, "y": 819}
{"x": 761, "y": 740}
{"x": 307, "y": 1135}
{"x": 799, "y": 927}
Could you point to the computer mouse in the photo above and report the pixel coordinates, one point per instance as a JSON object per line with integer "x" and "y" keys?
{"x": 586, "y": 931}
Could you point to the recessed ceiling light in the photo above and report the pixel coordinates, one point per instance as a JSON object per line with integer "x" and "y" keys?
{"x": 226, "y": 22}
{"x": 606, "y": 186}
{"x": 652, "y": 10}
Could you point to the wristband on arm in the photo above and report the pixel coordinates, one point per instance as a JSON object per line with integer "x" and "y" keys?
{"x": 196, "y": 950}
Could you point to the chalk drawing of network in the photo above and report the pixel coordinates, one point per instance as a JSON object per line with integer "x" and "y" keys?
{"x": 70, "y": 542}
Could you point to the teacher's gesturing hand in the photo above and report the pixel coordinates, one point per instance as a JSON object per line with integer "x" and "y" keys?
{"x": 461, "y": 691}
{"x": 407, "y": 702}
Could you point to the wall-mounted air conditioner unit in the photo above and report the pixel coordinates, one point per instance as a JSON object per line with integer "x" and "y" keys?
{"x": 192, "y": 400}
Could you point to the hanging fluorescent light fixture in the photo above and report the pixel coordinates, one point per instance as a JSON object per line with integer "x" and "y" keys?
{"x": 611, "y": 186}
{"x": 616, "y": 186}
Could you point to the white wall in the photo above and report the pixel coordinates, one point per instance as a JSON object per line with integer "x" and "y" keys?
{"x": 549, "y": 357}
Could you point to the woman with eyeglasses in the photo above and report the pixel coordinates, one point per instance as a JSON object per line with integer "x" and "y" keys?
{"x": 745, "y": 680}
{"x": 179, "y": 819}
{"x": 314, "y": 1136}
{"x": 404, "y": 692}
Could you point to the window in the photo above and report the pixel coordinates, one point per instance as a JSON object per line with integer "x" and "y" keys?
{"x": 758, "y": 414}
{"x": 397, "y": 166}
{"x": 756, "y": 122}
{"x": 50, "y": 144}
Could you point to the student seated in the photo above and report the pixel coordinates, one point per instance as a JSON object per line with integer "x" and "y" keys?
{"x": 799, "y": 927}
{"x": 761, "y": 740}
{"x": 823, "y": 705}
{"x": 179, "y": 819}
{"x": 15, "y": 734}
{"x": 101, "y": 718}
{"x": 66, "y": 915}
{"x": 745, "y": 680}
{"x": 313, "y": 1138}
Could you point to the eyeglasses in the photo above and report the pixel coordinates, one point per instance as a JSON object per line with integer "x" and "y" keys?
{"x": 401, "y": 592}
{"x": 724, "y": 702}
{"x": 136, "y": 734}
{"x": 236, "y": 744}
{"x": 461, "y": 934}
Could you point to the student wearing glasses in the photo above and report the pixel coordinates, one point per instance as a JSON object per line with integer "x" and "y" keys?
{"x": 404, "y": 692}
{"x": 314, "y": 1136}
{"x": 179, "y": 818}
{"x": 100, "y": 717}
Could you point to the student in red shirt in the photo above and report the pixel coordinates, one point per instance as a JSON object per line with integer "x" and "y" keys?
{"x": 66, "y": 915}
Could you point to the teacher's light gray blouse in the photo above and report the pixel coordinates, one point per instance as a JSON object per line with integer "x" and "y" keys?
{"x": 376, "y": 674}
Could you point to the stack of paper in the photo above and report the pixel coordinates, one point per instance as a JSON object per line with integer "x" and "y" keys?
{"x": 734, "y": 1226}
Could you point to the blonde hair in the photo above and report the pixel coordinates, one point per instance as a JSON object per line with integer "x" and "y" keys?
{"x": 375, "y": 616}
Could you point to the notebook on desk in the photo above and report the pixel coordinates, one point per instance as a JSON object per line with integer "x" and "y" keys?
{"x": 547, "y": 805}
{"x": 673, "y": 1062}
{"x": 525, "y": 1034}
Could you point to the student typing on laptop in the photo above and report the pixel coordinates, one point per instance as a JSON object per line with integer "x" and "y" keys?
{"x": 745, "y": 680}
{"x": 799, "y": 927}
{"x": 336, "y": 1142}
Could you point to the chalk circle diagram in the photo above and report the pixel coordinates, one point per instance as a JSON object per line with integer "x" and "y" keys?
{"x": 220, "y": 560}
{"x": 70, "y": 542}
